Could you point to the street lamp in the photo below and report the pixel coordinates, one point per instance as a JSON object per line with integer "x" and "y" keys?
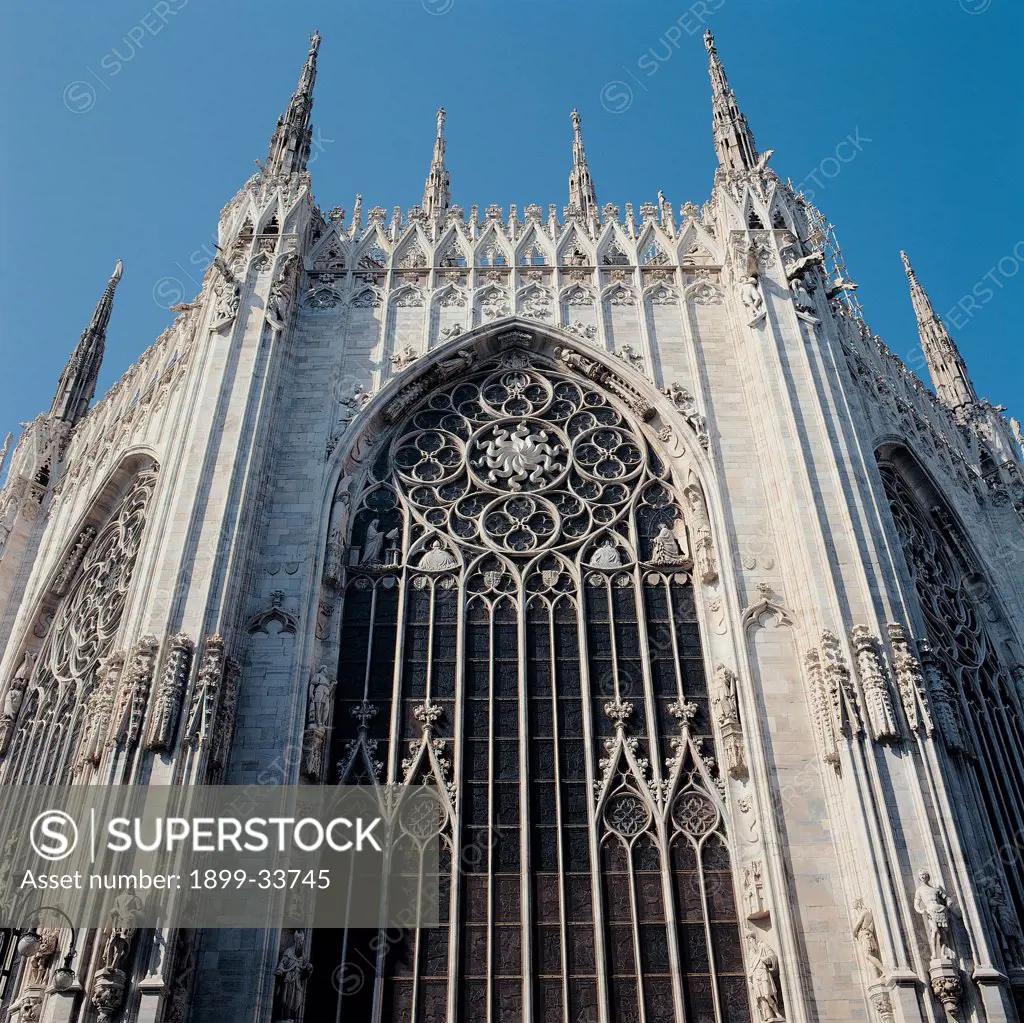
{"x": 29, "y": 944}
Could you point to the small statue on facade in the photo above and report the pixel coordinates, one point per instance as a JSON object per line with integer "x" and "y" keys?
{"x": 764, "y": 980}
{"x": 724, "y": 706}
{"x": 665, "y": 549}
{"x": 750, "y": 295}
{"x": 866, "y": 937}
{"x": 606, "y": 555}
{"x": 801, "y": 296}
{"x": 373, "y": 545}
{"x": 13, "y": 699}
{"x": 292, "y": 974}
{"x": 321, "y": 688}
{"x": 1004, "y": 921}
{"x": 932, "y": 903}
{"x": 753, "y": 891}
{"x": 438, "y": 558}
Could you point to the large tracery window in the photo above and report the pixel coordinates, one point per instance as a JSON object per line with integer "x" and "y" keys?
{"x": 82, "y": 634}
{"x": 519, "y": 627}
{"x": 973, "y": 692}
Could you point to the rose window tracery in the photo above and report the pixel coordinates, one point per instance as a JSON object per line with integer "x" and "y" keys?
{"x": 971, "y": 695}
{"x": 81, "y": 634}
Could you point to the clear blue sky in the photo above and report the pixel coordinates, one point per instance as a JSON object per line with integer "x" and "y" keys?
{"x": 184, "y": 95}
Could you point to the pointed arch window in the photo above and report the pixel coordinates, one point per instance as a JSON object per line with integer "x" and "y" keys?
{"x": 491, "y": 255}
{"x": 975, "y": 706}
{"x": 519, "y": 625}
{"x": 45, "y": 743}
{"x": 533, "y": 256}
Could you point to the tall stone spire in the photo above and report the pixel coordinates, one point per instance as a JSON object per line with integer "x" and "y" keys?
{"x": 7, "y": 447}
{"x": 945, "y": 363}
{"x": 78, "y": 381}
{"x": 581, "y": 185}
{"x": 289, "y": 147}
{"x": 437, "y": 193}
{"x": 734, "y": 141}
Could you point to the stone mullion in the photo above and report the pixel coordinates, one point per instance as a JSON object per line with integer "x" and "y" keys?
{"x": 673, "y": 625}
{"x": 525, "y": 902}
{"x": 455, "y": 966}
{"x": 563, "y": 930}
{"x": 705, "y": 910}
{"x": 430, "y": 642}
{"x": 650, "y": 711}
{"x": 395, "y": 753}
{"x": 416, "y": 950}
{"x": 675, "y": 959}
{"x": 982, "y": 745}
{"x": 634, "y": 915}
{"x": 981, "y": 772}
{"x": 418, "y": 935}
{"x": 591, "y": 755}
{"x": 993, "y": 737}
{"x": 667, "y": 893}
{"x": 491, "y": 751}
{"x": 606, "y": 584}
{"x": 369, "y": 651}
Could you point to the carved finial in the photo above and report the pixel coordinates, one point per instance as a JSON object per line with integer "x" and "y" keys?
{"x": 356, "y": 227}
{"x": 945, "y": 363}
{"x": 734, "y": 141}
{"x": 619, "y": 711}
{"x": 684, "y": 711}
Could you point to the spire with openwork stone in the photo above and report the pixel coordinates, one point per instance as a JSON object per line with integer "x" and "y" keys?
{"x": 437, "y": 193}
{"x": 945, "y": 363}
{"x": 77, "y": 385}
{"x": 289, "y": 147}
{"x": 581, "y": 185}
{"x": 734, "y": 141}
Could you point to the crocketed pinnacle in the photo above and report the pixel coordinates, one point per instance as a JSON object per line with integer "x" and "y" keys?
{"x": 945, "y": 363}
{"x": 437, "y": 193}
{"x": 581, "y": 185}
{"x": 77, "y": 385}
{"x": 734, "y": 141}
{"x": 290, "y": 145}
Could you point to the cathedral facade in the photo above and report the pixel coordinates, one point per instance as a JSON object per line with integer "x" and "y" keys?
{"x": 703, "y": 612}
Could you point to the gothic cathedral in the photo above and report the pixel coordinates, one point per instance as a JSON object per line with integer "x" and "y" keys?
{"x": 621, "y": 526}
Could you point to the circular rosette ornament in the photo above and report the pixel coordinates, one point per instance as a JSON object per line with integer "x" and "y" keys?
{"x": 516, "y": 393}
{"x": 695, "y": 814}
{"x": 431, "y": 457}
{"x": 423, "y": 816}
{"x": 519, "y": 456}
{"x": 520, "y": 524}
{"x": 627, "y": 815}
{"x": 608, "y": 454}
